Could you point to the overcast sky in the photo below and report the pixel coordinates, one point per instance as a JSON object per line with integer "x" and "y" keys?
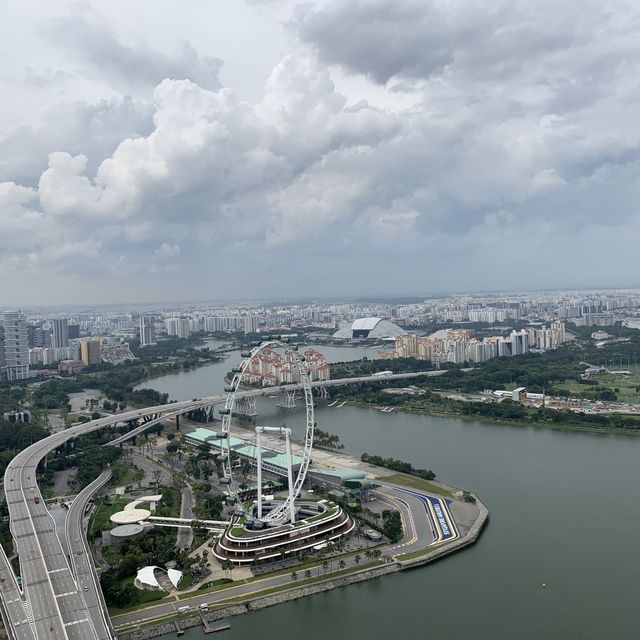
{"x": 163, "y": 150}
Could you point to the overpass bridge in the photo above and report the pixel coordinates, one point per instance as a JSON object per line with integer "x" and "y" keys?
{"x": 52, "y": 600}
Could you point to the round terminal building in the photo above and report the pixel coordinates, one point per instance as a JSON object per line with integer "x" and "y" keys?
{"x": 369, "y": 329}
{"x": 317, "y": 523}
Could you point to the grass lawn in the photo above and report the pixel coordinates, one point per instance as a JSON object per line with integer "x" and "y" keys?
{"x": 420, "y": 552}
{"x": 414, "y": 482}
{"x": 300, "y": 582}
{"x": 144, "y": 597}
{"x": 101, "y": 520}
{"x": 626, "y": 384}
{"x": 186, "y": 581}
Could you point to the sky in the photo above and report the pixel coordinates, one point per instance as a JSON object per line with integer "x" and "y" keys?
{"x": 164, "y": 150}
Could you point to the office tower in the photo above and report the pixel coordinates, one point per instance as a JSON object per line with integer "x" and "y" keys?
{"x": 147, "y": 331}
{"x": 16, "y": 348}
{"x": 59, "y": 333}
{"x": 90, "y": 351}
{"x": 74, "y": 331}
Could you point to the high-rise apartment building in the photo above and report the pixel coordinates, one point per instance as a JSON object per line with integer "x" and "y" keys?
{"x": 147, "y": 331}
{"x": 179, "y": 327}
{"x": 251, "y": 324}
{"x": 16, "y": 347}
{"x": 59, "y": 333}
{"x": 90, "y": 351}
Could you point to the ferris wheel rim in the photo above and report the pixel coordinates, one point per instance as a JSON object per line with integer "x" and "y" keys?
{"x": 230, "y": 402}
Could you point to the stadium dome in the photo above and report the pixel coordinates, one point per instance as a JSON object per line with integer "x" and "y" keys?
{"x": 369, "y": 328}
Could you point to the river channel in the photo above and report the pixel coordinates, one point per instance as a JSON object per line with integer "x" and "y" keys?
{"x": 565, "y": 513}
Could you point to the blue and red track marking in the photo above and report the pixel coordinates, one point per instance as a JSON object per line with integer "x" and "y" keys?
{"x": 443, "y": 526}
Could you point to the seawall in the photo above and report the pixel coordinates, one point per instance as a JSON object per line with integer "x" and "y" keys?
{"x": 254, "y": 603}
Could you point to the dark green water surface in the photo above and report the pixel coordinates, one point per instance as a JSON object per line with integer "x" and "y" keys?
{"x": 564, "y": 511}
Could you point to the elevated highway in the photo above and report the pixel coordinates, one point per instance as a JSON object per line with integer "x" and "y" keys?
{"x": 51, "y": 600}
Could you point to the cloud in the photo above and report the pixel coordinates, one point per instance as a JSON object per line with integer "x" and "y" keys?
{"x": 518, "y": 145}
{"x": 131, "y": 66}
{"x": 166, "y": 250}
{"x": 78, "y": 127}
{"x": 421, "y": 39}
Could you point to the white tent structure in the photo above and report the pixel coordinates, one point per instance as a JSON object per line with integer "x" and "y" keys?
{"x": 146, "y": 578}
{"x": 369, "y": 329}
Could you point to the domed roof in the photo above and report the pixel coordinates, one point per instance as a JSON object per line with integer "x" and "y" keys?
{"x": 369, "y": 328}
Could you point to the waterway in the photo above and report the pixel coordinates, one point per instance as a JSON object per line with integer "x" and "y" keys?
{"x": 209, "y": 380}
{"x": 564, "y": 513}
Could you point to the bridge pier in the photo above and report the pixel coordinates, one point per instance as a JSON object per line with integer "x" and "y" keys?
{"x": 321, "y": 392}
{"x": 286, "y": 399}
{"x": 247, "y": 407}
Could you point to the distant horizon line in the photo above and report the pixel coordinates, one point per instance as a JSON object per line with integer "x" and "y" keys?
{"x": 370, "y": 298}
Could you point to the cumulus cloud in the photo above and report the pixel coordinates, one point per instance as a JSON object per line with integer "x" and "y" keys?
{"x": 94, "y": 129}
{"x": 521, "y": 139}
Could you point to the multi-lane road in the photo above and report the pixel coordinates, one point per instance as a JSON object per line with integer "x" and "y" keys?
{"x": 53, "y": 601}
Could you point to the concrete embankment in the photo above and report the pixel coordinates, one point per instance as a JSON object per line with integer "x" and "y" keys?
{"x": 254, "y": 603}
{"x": 258, "y": 602}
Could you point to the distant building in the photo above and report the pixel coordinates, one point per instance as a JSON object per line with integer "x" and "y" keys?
{"x": 59, "y": 333}
{"x": 74, "y": 331}
{"x": 179, "y": 327}
{"x": 251, "y": 324}
{"x": 269, "y": 368}
{"x": 369, "y": 329}
{"x": 70, "y": 367}
{"x": 16, "y": 347}
{"x": 90, "y": 351}
{"x": 147, "y": 331}
{"x": 117, "y": 353}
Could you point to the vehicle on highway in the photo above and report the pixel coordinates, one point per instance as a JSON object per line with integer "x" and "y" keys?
{"x": 380, "y": 374}
{"x": 204, "y": 607}
{"x": 183, "y": 609}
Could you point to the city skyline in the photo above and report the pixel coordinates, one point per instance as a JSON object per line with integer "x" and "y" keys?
{"x": 155, "y": 156}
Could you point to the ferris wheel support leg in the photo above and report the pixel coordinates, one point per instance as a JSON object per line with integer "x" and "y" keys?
{"x": 259, "y": 469}
{"x": 292, "y": 509}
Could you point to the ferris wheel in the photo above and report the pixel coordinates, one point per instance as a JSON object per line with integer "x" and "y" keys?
{"x": 286, "y": 508}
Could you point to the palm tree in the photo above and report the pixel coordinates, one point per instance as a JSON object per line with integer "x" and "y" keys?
{"x": 325, "y": 566}
{"x": 376, "y": 553}
{"x": 227, "y": 565}
{"x": 368, "y": 554}
{"x": 307, "y": 574}
{"x": 294, "y": 576}
{"x": 357, "y": 558}
{"x": 342, "y": 564}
